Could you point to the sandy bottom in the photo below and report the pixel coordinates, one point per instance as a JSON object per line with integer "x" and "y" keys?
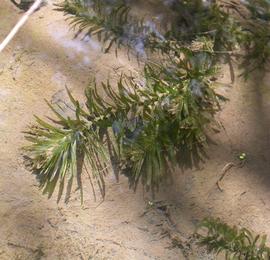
{"x": 38, "y": 64}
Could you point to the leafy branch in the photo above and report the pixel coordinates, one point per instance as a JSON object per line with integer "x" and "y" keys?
{"x": 236, "y": 243}
{"x": 111, "y": 23}
{"x": 153, "y": 124}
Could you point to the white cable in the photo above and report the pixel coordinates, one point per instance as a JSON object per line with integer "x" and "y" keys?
{"x": 20, "y": 23}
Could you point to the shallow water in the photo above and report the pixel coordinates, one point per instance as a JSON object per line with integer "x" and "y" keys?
{"x": 75, "y": 47}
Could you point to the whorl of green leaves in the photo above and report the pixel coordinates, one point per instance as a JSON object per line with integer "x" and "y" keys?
{"x": 59, "y": 149}
{"x": 236, "y": 243}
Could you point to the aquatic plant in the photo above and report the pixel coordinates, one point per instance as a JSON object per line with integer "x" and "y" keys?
{"x": 151, "y": 125}
{"x": 235, "y": 243}
{"x": 114, "y": 25}
{"x": 256, "y": 44}
{"x": 111, "y": 22}
{"x": 148, "y": 125}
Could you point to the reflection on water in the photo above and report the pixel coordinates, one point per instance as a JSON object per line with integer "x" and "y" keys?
{"x": 75, "y": 47}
